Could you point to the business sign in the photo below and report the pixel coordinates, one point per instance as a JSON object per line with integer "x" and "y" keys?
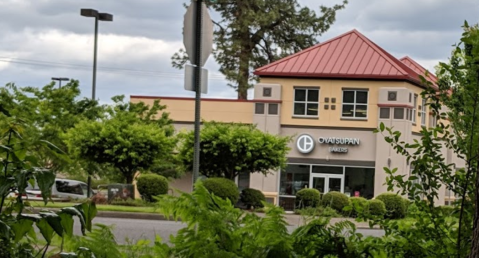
{"x": 305, "y": 143}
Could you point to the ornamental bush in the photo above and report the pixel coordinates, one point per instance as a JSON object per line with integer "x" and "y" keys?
{"x": 223, "y": 188}
{"x": 376, "y": 207}
{"x": 252, "y": 198}
{"x": 395, "y": 205}
{"x": 308, "y": 197}
{"x": 335, "y": 200}
{"x": 358, "y": 206}
{"x": 150, "y": 185}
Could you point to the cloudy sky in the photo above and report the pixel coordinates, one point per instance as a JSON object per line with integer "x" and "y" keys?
{"x": 40, "y": 39}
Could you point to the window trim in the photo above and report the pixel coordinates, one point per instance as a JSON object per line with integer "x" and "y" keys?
{"x": 414, "y": 110}
{"x": 354, "y": 104}
{"x": 423, "y": 112}
{"x": 306, "y": 101}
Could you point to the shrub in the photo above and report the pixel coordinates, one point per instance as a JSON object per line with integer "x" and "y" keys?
{"x": 150, "y": 185}
{"x": 223, "y": 188}
{"x": 358, "y": 206}
{"x": 252, "y": 198}
{"x": 335, "y": 200}
{"x": 330, "y": 212}
{"x": 376, "y": 207}
{"x": 130, "y": 202}
{"x": 308, "y": 197}
{"x": 395, "y": 206}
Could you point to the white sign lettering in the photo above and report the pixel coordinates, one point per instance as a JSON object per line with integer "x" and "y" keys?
{"x": 337, "y": 140}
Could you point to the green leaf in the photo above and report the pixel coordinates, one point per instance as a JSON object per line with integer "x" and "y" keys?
{"x": 54, "y": 221}
{"x": 89, "y": 211}
{"x": 52, "y": 147}
{"x": 381, "y": 127}
{"x": 46, "y": 230}
{"x": 4, "y": 230}
{"x": 68, "y": 255}
{"x": 45, "y": 180}
{"x": 67, "y": 223}
{"x": 6, "y": 184}
{"x": 73, "y": 211}
{"x": 20, "y": 228}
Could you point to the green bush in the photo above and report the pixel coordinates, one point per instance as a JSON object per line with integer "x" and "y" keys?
{"x": 376, "y": 207}
{"x": 330, "y": 212}
{"x": 335, "y": 200}
{"x": 395, "y": 205}
{"x": 252, "y": 198}
{"x": 358, "y": 206}
{"x": 223, "y": 188}
{"x": 307, "y": 197}
{"x": 150, "y": 185}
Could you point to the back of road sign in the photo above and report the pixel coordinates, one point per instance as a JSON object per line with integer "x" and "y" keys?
{"x": 189, "y": 33}
{"x": 190, "y": 78}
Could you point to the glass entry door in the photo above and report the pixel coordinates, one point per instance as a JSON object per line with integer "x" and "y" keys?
{"x": 327, "y": 183}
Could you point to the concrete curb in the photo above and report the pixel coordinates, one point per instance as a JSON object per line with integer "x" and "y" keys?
{"x": 291, "y": 219}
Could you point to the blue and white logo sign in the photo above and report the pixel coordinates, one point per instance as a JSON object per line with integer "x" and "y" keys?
{"x": 305, "y": 143}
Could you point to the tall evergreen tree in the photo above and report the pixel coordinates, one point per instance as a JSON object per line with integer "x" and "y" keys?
{"x": 253, "y": 33}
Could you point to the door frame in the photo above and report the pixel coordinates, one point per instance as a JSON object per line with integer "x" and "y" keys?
{"x": 326, "y": 180}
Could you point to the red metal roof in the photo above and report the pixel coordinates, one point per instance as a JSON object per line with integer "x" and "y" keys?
{"x": 416, "y": 67}
{"x": 350, "y": 55}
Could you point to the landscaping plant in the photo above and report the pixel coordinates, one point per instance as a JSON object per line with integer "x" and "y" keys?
{"x": 223, "y": 188}
{"x": 307, "y": 197}
{"x": 252, "y": 198}
{"x": 335, "y": 200}
{"x": 150, "y": 185}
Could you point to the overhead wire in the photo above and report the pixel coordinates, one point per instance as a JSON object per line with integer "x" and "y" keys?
{"x": 117, "y": 70}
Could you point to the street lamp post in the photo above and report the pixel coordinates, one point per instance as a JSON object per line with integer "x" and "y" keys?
{"x": 60, "y": 79}
{"x": 98, "y": 17}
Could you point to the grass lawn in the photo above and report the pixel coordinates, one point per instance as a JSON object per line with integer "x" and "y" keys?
{"x": 100, "y": 207}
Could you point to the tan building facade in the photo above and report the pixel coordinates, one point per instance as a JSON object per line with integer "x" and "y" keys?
{"x": 329, "y": 98}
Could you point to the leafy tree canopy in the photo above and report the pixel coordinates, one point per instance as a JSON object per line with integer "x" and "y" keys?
{"x": 229, "y": 149}
{"x": 128, "y": 137}
{"x": 49, "y": 111}
{"x": 252, "y": 33}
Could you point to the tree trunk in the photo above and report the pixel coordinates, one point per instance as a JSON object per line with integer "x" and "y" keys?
{"x": 475, "y": 230}
{"x": 244, "y": 55}
{"x": 129, "y": 177}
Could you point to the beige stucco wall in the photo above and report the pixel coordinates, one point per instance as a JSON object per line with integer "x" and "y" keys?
{"x": 330, "y": 89}
{"x": 182, "y": 109}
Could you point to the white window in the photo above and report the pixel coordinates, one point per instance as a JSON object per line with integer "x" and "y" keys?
{"x": 423, "y": 112}
{"x": 355, "y": 104}
{"x": 306, "y": 102}
{"x": 412, "y": 111}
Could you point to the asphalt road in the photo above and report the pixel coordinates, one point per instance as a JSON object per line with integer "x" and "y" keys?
{"x": 135, "y": 229}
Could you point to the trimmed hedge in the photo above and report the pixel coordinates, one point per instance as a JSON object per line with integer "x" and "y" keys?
{"x": 223, "y": 188}
{"x": 308, "y": 197}
{"x": 252, "y": 198}
{"x": 335, "y": 200}
{"x": 395, "y": 205}
{"x": 150, "y": 185}
{"x": 376, "y": 207}
{"x": 358, "y": 206}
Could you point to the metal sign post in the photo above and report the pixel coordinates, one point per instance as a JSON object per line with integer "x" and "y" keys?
{"x": 198, "y": 28}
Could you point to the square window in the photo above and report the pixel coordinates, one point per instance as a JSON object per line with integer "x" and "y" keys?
{"x": 398, "y": 113}
{"x": 272, "y": 109}
{"x": 306, "y": 102}
{"x": 259, "y": 108}
{"x": 384, "y": 113}
{"x": 355, "y": 104}
{"x": 266, "y": 92}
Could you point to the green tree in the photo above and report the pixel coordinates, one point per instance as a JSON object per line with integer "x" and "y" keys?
{"x": 129, "y": 138}
{"x": 437, "y": 232}
{"x": 253, "y": 33}
{"x": 230, "y": 149}
{"x": 50, "y": 111}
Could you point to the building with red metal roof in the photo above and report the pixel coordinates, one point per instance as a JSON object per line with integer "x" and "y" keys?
{"x": 329, "y": 98}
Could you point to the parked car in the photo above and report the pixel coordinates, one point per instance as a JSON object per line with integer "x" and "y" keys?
{"x": 62, "y": 190}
